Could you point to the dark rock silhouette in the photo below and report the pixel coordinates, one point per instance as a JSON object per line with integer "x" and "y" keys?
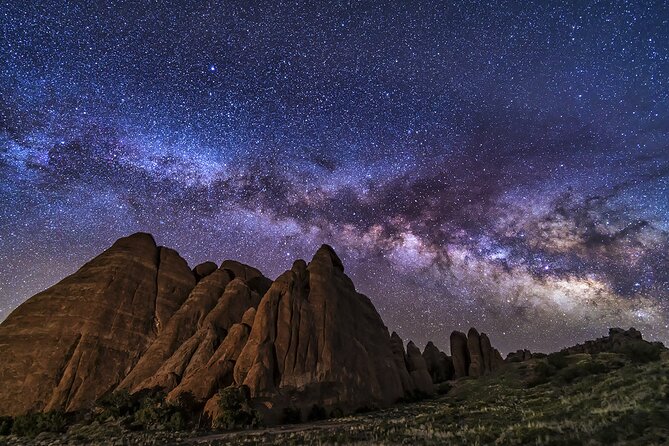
{"x": 473, "y": 355}
{"x": 418, "y": 370}
{"x": 618, "y": 340}
{"x": 460, "y": 354}
{"x": 438, "y": 363}
{"x": 519, "y": 356}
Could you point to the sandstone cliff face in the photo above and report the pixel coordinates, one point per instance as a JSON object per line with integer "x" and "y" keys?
{"x": 107, "y": 313}
{"x": 315, "y": 340}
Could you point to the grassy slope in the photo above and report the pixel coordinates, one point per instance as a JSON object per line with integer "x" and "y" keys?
{"x": 595, "y": 400}
{"x": 615, "y": 402}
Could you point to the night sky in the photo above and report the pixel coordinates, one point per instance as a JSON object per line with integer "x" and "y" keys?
{"x": 497, "y": 164}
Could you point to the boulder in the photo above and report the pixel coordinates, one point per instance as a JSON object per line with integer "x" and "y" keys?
{"x": 204, "y": 269}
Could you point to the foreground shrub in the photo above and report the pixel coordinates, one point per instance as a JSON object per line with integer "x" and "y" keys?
{"x": 6, "y": 425}
{"x": 641, "y": 352}
{"x": 443, "y": 388}
{"x": 236, "y": 411}
{"x": 35, "y": 423}
{"x": 557, "y": 360}
{"x": 116, "y": 405}
{"x": 291, "y": 415}
{"x": 582, "y": 369}
{"x": 542, "y": 373}
{"x": 317, "y": 413}
{"x": 144, "y": 410}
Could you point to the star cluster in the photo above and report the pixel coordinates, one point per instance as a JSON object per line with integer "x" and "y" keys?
{"x": 499, "y": 164}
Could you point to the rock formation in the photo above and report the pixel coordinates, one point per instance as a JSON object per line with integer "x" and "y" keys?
{"x": 519, "y": 356}
{"x": 460, "y": 354}
{"x": 473, "y": 355}
{"x": 418, "y": 370}
{"x": 439, "y": 365}
{"x": 617, "y": 341}
{"x": 315, "y": 340}
{"x": 108, "y": 312}
{"x": 137, "y": 318}
{"x": 400, "y": 358}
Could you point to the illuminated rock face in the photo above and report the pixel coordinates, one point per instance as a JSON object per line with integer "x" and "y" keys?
{"x": 315, "y": 340}
{"x": 70, "y": 344}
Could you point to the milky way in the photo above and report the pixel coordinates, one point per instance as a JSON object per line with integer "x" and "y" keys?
{"x": 502, "y": 164}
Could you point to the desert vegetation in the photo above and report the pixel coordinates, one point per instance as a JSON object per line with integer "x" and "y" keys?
{"x": 559, "y": 399}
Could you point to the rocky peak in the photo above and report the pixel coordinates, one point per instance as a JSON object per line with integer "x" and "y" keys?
{"x": 327, "y": 254}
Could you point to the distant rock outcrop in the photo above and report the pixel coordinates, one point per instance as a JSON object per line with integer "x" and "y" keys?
{"x": 519, "y": 356}
{"x": 618, "y": 340}
{"x": 473, "y": 355}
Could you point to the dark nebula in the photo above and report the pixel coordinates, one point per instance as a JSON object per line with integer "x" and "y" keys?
{"x": 497, "y": 164}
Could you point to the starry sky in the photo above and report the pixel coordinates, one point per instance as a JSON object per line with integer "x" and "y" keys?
{"x": 500, "y": 164}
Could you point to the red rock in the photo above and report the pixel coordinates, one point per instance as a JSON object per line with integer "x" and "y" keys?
{"x": 399, "y": 356}
{"x": 476, "y": 367}
{"x": 204, "y": 269}
{"x": 315, "y": 340}
{"x": 108, "y": 312}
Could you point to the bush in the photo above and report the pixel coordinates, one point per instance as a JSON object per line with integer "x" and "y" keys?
{"x": 581, "y": 369}
{"x": 542, "y": 373}
{"x": 35, "y": 423}
{"x": 236, "y": 412}
{"x": 317, "y": 413}
{"x": 557, "y": 360}
{"x": 337, "y": 412}
{"x": 6, "y": 425}
{"x": 443, "y": 388}
{"x": 143, "y": 410}
{"x": 117, "y": 404}
{"x": 291, "y": 415}
{"x": 641, "y": 352}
